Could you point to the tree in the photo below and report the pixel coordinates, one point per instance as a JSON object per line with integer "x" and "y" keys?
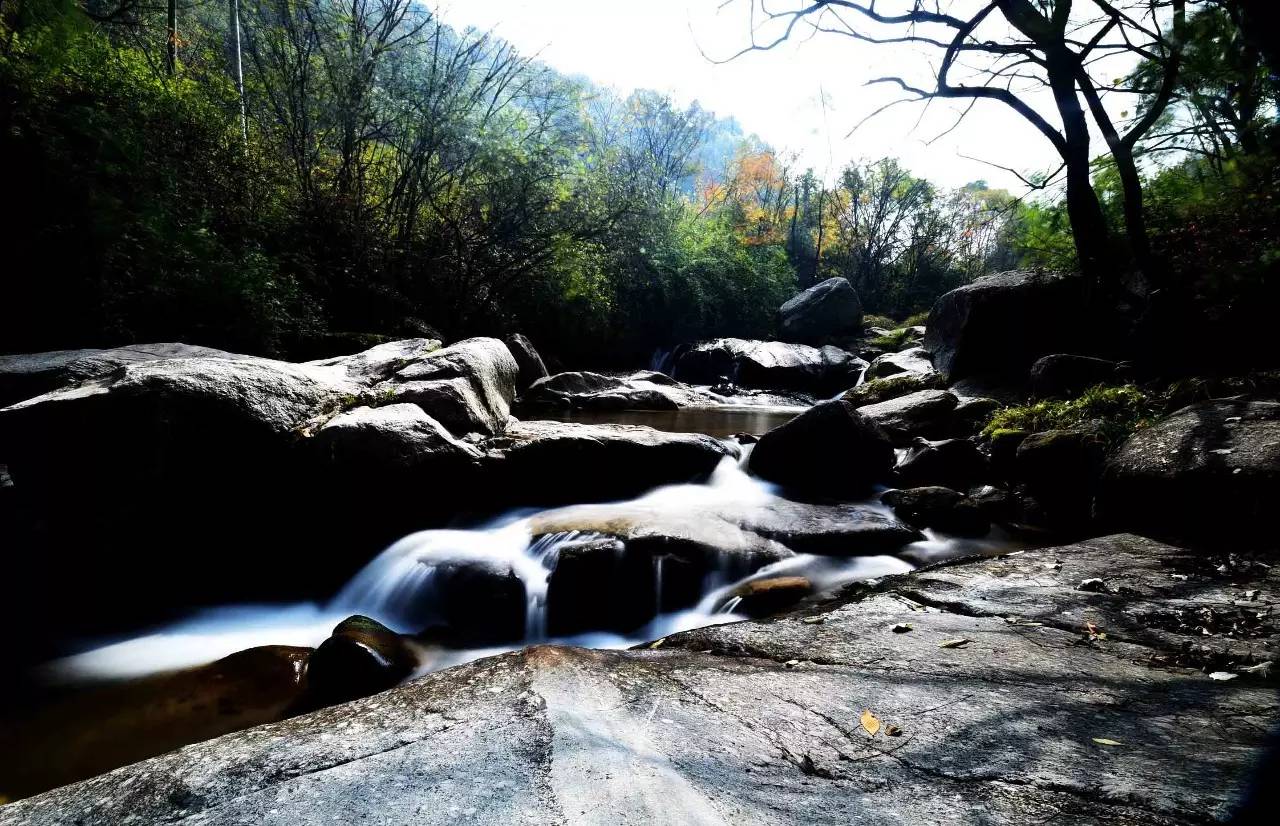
{"x": 1024, "y": 54}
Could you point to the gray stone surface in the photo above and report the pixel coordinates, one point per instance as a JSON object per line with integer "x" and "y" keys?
{"x": 829, "y": 308}
{"x": 1208, "y": 470}
{"x": 1037, "y": 718}
{"x": 769, "y": 364}
{"x": 923, "y": 413}
{"x": 911, "y": 360}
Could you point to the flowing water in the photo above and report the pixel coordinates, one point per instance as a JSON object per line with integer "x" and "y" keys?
{"x": 720, "y": 422}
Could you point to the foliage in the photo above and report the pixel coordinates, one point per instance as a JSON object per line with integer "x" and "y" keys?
{"x": 1113, "y": 412}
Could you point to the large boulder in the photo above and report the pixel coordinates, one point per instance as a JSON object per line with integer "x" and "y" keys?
{"x": 530, "y": 362}
{"x": 952, "y": 462}
{"x": 468, "y": 387}
{"x": 1065, "y": 376}
{"x": 831, "y": 308}
{"x": 769, "y": 364}
{"x": 831, "y": 448}
{"x": 1002, "y": 693}
{"x": 1002, "y": 323}
{"x": 388, "y": 439}
{"x": 1061, "y": 469}
{"x": 912, "y": 360}
{"x": 923, "y": 413}
{"x": 546, "y": 462}
{"x": 26, "y": 375}
{"x": 1209, "y": 472}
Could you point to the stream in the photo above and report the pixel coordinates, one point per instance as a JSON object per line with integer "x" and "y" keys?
{"x": 400, "y": 589}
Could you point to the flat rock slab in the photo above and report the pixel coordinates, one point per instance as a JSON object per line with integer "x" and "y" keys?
{"x": 1035, "y": 719}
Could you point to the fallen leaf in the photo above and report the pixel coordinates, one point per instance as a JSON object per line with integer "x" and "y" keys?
{"x": 658, "y": 642}
{"x": 892, "y": 731}
{"x": 1106, "y": 741}
{"x": 791, "y": 663}
{"x": 814, "y": 620}
{"x": 870, "y": 723}
{"x": 1222, "y": 676}
{"x": 900, "y": 628}
{"x": 954, "y": 643}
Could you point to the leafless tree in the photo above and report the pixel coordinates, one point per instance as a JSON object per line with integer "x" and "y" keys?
{"x": 1031, "y": 56}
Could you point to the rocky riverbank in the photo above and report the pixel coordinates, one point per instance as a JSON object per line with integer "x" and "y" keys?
{"x": 1108, "y": 677}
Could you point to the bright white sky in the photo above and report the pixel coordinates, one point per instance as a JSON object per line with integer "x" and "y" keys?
{"x": 654, "y": 44}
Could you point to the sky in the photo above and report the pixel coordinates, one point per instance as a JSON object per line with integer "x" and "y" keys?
{"x": 666, "y": 45}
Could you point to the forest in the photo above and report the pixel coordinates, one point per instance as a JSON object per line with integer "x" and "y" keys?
{"x": 277, "y": 177}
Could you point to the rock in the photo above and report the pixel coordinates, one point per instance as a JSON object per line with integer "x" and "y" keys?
{"x": 477, "y": 602}
{"x": 911, "y": 360}
{"x": 769, "y": 364}
{"x": 1007, "y": 390}
{"x": 468, "y": 387}
{"x": 1061, "y": 469}
{"x": 646, "y": 390}
{"x": 387, "y": 439}
{"x": 939, "y": 508}
{"x": 27, "y": 375}
{"x": 764, "y": 597}
{"x": 971, "y": 415}
{"x": 544, "y": 462}
{"x": 1002, "y": 323}
{"x": 923, "y": 413}
{"x": 382, "y": 360}
{"x": 1209, "y": 472}
{"x": 1004, "y": 444}
{"x": 831, "y": 448}
{"x": 830, "y": 308}
{"x": 166, "y": 451}
{"x": 997, "y": 504}
{"x": 97, "y": 728}
{"x": 874, "y": 391}
{"x": 553, "y": 734}
{"x": 951, "y": 462}
{"x": 527, "y": 359}
{"x": 360, "y": 658}
{"x": 1066, "y": 376}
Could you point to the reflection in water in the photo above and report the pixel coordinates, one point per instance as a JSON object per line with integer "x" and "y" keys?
{"x": 720, "y": 422}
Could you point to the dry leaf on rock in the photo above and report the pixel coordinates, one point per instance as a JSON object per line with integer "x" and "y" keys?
{"x": 870, "y": 723}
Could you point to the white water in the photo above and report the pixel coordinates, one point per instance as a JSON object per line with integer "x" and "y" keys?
{"x": 399, "y": 588}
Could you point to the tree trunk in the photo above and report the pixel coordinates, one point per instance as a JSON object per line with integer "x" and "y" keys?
{"x": 171, "y": 39}
{"x": 237, "y": 66}
{"x": 1088, "y": 226}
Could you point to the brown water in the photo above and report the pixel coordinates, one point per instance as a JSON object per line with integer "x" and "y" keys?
{"x": 719, "y": 422}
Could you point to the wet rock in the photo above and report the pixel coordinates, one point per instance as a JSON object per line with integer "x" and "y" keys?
{"x": 996, "y": 503}
{"x": 923, "y": 413}
{"x": 1061, "y": 469}
{"x": 911, "y": 360}
{"x": 479, "y": 601}
{"x": 1003, "y": 444}
{"x": 360, "y": 658}
{"x": 1002, "y": 323}
{"x": 552, "y": 730}
{"x": 468, "y": 387}
{"x": 831, "y": 448}
{"x": 1208, "y": 471}
{"x": 98, "y": 728}
{"x": 1067, "y": 376}
{"x": 951, "y": 462}
{"x": 765, "y": 597}
{"x": 27, "y": 375}
{"x": 527, "y": 359}
{"x": 874, "y": 391}
{"x": 830, "y": 308}
{"x": 939, "y": 508}
{"x": 770, "y": 365}
{"x": 544, "y": 462}
{"x": 596, "y": 584}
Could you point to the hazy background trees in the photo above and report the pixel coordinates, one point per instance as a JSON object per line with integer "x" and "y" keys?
{"x": 361, "y": 169}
